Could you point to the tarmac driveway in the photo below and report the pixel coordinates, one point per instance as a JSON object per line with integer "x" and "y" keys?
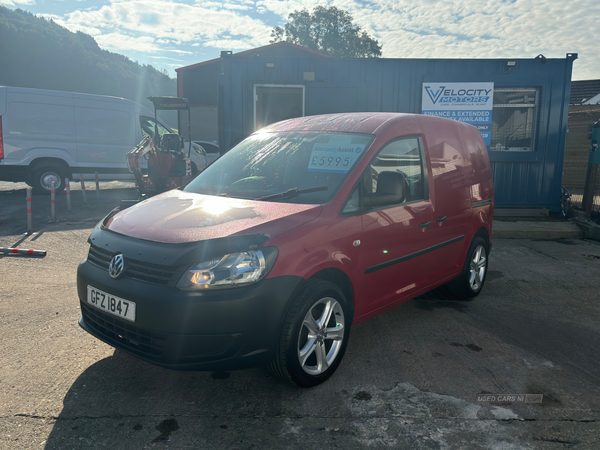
{"x": 411, "y": 377}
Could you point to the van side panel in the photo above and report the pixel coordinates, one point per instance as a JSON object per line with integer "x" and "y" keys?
{"x": 482, "y": 187}
{"x": 105, "y": 132}
{"x": 38, "y": 124}
{"x": 452, "y": 174}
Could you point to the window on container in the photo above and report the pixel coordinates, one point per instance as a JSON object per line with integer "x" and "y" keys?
{"x": 514, "y": 119}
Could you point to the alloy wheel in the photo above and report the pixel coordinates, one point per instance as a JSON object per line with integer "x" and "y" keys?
{"x": 477, "y": 268}
{"x": 321, "y": 336}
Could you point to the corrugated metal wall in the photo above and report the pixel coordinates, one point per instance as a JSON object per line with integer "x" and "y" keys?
{"x": 521, "y": 179}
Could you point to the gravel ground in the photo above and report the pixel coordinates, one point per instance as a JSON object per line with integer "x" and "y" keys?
{"x": 410, "y": 378}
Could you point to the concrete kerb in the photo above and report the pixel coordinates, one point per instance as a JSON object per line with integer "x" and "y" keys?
{"x": 536, "y": 230}
{"x": 589, "y": 228}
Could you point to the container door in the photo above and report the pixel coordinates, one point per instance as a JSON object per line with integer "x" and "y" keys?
{"x": 274, "y": 103}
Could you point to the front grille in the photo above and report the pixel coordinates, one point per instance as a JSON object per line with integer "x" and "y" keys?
{"x": 99, "y": 257}
{"x": 138, "y": 270}
{"x": 147, "y": 342}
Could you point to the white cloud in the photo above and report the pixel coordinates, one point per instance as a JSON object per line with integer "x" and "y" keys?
{"x": 120, "y": 41}
{"x": 219, "y": 5}
{"x": 405, "y": 28}
{"x": 474, "y": 28}
{"x": 17, "y": 2}
{"x": 170, "y": 20}
{"x": 166, "y": 57}
{"x": 228, "y": 44}
{"x": 60, "y": 20}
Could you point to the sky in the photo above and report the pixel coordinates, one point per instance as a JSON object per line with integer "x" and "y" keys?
{"x": 171, "y": 34}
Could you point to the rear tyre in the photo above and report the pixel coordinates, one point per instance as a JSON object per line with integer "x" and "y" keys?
{"x": 42, "y": 178}
{"x": 314, "y": 336}
{"x": 469, "y": 284}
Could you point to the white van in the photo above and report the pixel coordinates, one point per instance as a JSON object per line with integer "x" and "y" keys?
{"x": 46, "y": 136}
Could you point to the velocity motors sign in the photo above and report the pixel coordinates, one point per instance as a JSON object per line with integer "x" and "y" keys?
{"x": 466, "y": 102}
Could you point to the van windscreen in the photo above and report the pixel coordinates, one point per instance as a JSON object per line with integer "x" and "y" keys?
{"x": 266, "y": 164}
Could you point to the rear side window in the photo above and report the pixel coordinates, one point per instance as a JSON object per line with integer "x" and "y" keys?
{"x": 102, "y": 125}
{"x": 38, "y": 119}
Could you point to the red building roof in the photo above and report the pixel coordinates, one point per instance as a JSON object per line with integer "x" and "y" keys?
{"x": 277, "y": 50}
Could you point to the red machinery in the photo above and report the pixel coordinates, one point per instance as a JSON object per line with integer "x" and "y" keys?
{"x": 168, "y": 165}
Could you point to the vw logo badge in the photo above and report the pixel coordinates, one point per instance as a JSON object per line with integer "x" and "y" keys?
{"x": 116, "y": 266}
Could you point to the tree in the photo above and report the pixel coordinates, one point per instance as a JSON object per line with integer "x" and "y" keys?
{"x": 328, "y": 30}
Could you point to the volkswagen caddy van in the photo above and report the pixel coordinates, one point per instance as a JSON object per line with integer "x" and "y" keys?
{"x": 307, "y": 227}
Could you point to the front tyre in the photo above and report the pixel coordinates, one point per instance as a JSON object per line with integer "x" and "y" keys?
{"x": 314, "y": 336}
{"x": 43, "y": 177}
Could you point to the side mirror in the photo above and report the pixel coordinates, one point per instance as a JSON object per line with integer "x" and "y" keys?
{"x": 390, "y": 190}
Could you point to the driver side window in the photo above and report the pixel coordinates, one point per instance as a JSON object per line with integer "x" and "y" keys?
{"x": 402, "y": 155}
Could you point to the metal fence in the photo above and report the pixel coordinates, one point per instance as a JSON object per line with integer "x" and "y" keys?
{"x": 577, "y": 151}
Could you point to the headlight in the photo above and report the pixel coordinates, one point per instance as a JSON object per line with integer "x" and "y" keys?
{"x": 232, "y": 270}
{"x": 199, "y": 149}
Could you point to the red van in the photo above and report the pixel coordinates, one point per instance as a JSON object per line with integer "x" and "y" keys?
{"x": 305, "y": 228}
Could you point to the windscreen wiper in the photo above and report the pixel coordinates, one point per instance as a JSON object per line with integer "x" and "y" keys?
{"x": 294, "y": 192}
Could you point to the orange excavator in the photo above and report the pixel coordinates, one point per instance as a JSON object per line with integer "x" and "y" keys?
{"x": 169, "y": 167}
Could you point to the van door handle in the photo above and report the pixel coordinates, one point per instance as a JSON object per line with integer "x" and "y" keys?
{"x": 441, "y": 219}
{"x": 424, "y": 224}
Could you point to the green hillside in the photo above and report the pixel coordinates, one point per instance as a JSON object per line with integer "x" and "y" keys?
{"x": 38, "y": 53}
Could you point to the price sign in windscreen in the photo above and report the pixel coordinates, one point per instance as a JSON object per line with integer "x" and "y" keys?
{"x": 334, "y": 157}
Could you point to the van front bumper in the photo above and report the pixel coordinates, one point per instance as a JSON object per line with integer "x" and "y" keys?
{"x": 181, "y": 330}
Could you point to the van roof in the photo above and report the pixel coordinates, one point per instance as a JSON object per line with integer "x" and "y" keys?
{"x": 22, "y": 90}
{"x": 364, "y": 122}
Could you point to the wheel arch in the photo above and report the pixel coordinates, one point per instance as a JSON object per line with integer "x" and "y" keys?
{"x": 50, "y": 161}
{"x": 340, "y": 279}
{"x": 483, "y": 233}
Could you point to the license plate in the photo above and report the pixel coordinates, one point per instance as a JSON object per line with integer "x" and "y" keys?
{"x": 111, "y": 304}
